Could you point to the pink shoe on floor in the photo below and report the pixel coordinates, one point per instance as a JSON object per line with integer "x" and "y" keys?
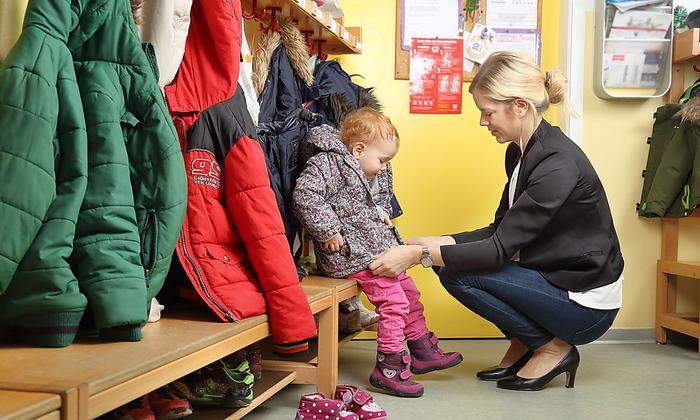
{"x": 317, "y": 407}
{"x": 359, "y": 402}
{"x": 391, "y": 375}
{"x": 427, "y": 356}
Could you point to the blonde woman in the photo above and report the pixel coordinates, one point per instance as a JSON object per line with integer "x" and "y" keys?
{"x": 548, "y": 271}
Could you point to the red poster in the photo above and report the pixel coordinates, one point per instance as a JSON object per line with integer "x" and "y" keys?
{"x": 436, "y": 76}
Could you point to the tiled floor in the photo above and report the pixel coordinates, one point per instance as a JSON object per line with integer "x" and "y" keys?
{"x": 614, "y": 381}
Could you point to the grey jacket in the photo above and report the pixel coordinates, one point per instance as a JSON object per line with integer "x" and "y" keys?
{"x": 333, "y": 196}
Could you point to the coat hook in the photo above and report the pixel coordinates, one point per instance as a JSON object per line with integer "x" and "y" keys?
{"x": 319, "y": 47}
{"x": 307, "y": 38}
{"x": 274, "y": 23}
{"x": 253, "y": 15}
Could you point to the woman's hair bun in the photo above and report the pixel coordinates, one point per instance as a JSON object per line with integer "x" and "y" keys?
{"x": 555, "y": 83}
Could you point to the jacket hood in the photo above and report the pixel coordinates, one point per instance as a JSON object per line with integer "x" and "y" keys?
{"x": 324, "y": 138}
{"x": 76, "y": 20}
{"x": 297, "y": 51}
{"x": 342, "y": 106}
{"x": 208, "y": 74}
{"x": 690, "y": 111}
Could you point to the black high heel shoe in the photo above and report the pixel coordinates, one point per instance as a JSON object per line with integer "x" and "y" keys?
{"x": 500, "y": 373}
{"x": 568, "y": 365}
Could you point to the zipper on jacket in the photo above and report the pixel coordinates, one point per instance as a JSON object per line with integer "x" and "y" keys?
{"x": 148, "y": 256}
{"x": 686, "y": 199}
{"x": 191, "y": 261}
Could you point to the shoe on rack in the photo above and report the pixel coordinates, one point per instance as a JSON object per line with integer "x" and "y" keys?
{"x": 254, "y": 358}
{"x": 348, "y": 318}
{"x": 167, "y": 406}
{"x": 214, "y": 386}
{"x": 138, "y": 409}
{"x": 199, "y": 389}
{"x": 238, "y": 380}
{"x": 359, "y": 402}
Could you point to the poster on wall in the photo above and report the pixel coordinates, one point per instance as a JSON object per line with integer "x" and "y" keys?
{"x": 430, "y": 19}
{"x": 512, "y": 14}
{"x": 524, "y": 41}
{"x": 436, "y": 73}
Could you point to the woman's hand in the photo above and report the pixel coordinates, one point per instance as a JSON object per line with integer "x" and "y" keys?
{"x": 432, "y": 241}
{"x": 396, "y": 260}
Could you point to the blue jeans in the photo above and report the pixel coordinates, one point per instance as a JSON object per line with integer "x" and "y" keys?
{"x": 524, "y": 305}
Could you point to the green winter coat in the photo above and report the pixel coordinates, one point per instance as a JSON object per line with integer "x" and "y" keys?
{"x": 672, "y": 176}
{"x": 135, "y": 199}
{"x": 43, "y": 167}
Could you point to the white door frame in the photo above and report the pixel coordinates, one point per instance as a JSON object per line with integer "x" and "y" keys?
{"x": 572, "y": 62}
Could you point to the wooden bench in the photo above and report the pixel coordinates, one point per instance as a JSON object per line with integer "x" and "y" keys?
{"x": 97, "y": 377}
{"x": 17, "y": 405}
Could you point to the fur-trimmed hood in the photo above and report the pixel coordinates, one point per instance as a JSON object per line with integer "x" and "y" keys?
{"x": 339, "y": 94}
{"x": 690, "y": 111}
{"x": 297, "y": 51}
{"x": 341, "y": 105}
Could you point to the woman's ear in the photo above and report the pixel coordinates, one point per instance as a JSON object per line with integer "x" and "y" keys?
{"x": 358, "y": 149}
{"x": 520, "y": 107}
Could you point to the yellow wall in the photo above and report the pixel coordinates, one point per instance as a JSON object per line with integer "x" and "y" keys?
{"x": 11, "y": 16}
{"x": 449, "y": 171}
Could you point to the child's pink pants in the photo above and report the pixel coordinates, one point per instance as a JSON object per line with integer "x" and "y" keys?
{"x": 397, "y": 301}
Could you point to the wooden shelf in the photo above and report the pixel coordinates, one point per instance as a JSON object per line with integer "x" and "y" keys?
{"x": 338, "y": 39}
{"x": 686, "y": 46}
{"x": 271, "y": 383}
{"x": 29, "y": 405}
{"x": 681, "y": 268}
{"x": 668, "y": 270}
{"x": 687, "y": 325}
{"x": 686, "y": 50}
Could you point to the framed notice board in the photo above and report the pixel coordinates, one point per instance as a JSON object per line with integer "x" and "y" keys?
{"x": 403, "y": 55}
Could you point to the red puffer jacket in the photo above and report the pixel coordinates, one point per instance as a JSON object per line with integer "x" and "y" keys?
{"x": 232, "y": 245}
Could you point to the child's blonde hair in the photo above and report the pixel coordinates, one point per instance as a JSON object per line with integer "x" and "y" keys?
{"x": 366, "y": 125}
{"x": 505, "y": 76}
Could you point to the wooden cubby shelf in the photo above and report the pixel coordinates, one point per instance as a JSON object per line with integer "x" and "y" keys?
{"x": 271, "y": 383}
{"x": 686, "y": 46}
{"x": 686, "y": 50}
{"x": 668, "y": 270}
{"x": 338, "y": 39}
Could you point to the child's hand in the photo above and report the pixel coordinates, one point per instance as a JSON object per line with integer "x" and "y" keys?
{"x": 334, "y": 243}
{"x": 387, "y": 220}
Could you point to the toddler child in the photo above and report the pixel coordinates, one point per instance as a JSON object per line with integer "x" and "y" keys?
{"x": 342, "y": 198}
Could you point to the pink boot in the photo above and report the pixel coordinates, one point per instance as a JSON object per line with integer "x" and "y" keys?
{"x": 427, "y": 356}
{"x": 359, "y": 402}
{"x": 316, "y": 406}
{"x": 390, "y": 374}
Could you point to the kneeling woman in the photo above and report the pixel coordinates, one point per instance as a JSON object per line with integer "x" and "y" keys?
{"x": 548, "y": 271}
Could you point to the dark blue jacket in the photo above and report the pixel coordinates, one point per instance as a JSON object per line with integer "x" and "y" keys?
{"x": 281, "y": 130}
